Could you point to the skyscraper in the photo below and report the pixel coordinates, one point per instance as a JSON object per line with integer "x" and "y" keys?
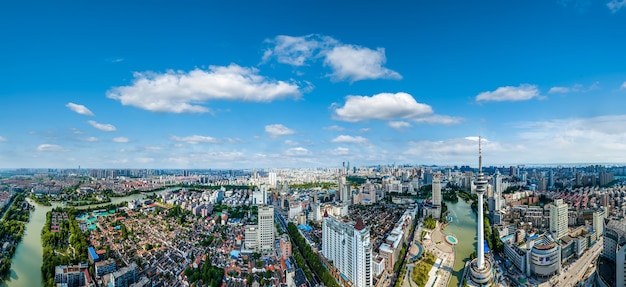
{"x": 481, "y": 271}
{"x": 348, "y": 245}
{"x": 266, "y": 227}
{"x": 271, "y": 179}
{"x": 558, "y": 219}
{"x": 436, "y": 189}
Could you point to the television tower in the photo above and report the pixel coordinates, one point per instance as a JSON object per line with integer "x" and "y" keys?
{"x": 480, "y": 271}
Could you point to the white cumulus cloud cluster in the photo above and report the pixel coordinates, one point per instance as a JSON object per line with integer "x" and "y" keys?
{"x": 120, "y": 140}
{"x": 347, "y": 62}
{"x": 388, "y": 106}
{"x": 50, "y": 147}
{"x": 616, "y": 5}
{"x": 195, "y": 139}
{"x": 277, "y": 130}
{"x": 185, "y": 92}
{"x": 509, "y": 93}
{"x": 103, "y": 127}
{"x": 399, "y": 125}
{"x": 80, "y": 109}
{"x": 350, "y": 139}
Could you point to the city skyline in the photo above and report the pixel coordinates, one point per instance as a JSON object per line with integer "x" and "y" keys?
{"x": 225, "y": 85}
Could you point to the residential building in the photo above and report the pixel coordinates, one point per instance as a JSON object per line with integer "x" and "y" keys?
{"x": 105, "y": 267}
{"x": 266, "y": 227}
{"x": 124, "y": 277}
{"x": 348, "y": 246}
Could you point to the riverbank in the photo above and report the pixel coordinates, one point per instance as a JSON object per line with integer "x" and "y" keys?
{"x": 12, "y": 228}
{"x": 28, "y": 258}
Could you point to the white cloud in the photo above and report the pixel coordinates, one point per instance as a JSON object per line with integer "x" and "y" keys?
{"x": 296, "y": 51}
{"x": 76, "y": 131}
{"x": 103, "y": 127}
{"x": 277, "y": 130}
{"x": 79, "y": 109}
{"x": 144, "y": 159}
{"x": 334, "y": 128}
{"x": 350, "y": 139}
{"x": 184, "y": 92}
{"x": 509, "y": 93}
{"x": 90, "y": 139}
{"x": 354, "y": 63}
{"x": 297, "y": 151}
{"x": 365, "y": 130}
{"x": 291, "y": 143}
{"x": 385, "y": 106}
{"x": 120, "y": 140}
{"x": 476, "y": 138}
{"x": 616, "y": 5}
{"x": 195, "y": 139}
{"x": 3, "y": 139}
{"x": 50, "y": 147}
{"x": 623, "y": 86}
{"x": 577, "y": 88}
{"x": 438, "y": 119}
{"x": 348, "y": 62}
{"x": 561, "y": 90}
{"x": 153, "y": 148}
{"x": 454, "y": 151}
{"x": 340, "y": 151}
{"x": 399, "y": 125}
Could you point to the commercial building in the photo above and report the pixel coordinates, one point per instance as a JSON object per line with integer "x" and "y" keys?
{"x": 348, "y": 246}
{"x": 537, "y": 255}
{"x": 266, "y": 227}
{"x": 558, "y": 219}
{"x": 613, "y": 249}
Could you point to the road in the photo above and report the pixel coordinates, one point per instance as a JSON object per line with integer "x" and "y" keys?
{"x": 283, "y": 224}
{"x": 571, "y": 275}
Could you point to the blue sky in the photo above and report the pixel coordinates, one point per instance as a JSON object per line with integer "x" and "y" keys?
{"x": 244, "y": 84}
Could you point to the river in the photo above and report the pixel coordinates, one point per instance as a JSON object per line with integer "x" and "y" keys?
{"x": 28, "y": 257}
{"x": 463, "y": 226}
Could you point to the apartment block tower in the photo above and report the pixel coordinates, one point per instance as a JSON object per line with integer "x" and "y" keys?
{"x": 348, "y": 246}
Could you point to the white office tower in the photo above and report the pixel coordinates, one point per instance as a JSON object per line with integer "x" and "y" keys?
{"x": 558, "y": 219}
{"x": 436, "y": 190}
{"x": 348, "y": 246}
{"x": 259, "y": 196}
{"x": 344, "y": 191}
{"x": 481, "y": 271}
{"x": 271, "y": 179}
{"x": 598, "y": 221}
{"x": 497, "y": 190}
{"x": 266, "y": 227}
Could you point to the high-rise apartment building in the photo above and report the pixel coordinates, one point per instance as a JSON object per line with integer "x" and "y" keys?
{"x": 598, "y": 221}
{"x": 348, "y": 246}
{"x": 271, "y": 179}
{"x": 436, "y": 189}
{"x": 558, "y": 219}
{"x": 266, "y": 227}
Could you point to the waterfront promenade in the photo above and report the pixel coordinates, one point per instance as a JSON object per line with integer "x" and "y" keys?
{"x": 436, "y": 244}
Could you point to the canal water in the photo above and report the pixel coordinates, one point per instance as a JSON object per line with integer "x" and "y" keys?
{"x": 28, "y": 257}
{"x": 463, "y": 226}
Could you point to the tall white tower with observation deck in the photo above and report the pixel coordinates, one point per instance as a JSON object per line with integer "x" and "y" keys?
{"x": 480, "y": 271}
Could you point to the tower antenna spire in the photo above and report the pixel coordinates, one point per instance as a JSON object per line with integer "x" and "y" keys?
{"x": 480, "y": 156}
